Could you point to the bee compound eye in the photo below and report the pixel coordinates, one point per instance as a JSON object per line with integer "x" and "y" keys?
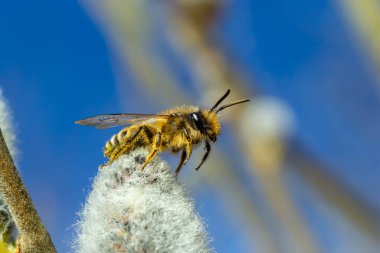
{"x": 198, "y": 121}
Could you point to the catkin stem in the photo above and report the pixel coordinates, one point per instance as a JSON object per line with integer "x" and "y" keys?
{"x": 34, "y": 238}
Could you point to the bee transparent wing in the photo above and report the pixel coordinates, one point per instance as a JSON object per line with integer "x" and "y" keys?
{"x": 112, "y": 120}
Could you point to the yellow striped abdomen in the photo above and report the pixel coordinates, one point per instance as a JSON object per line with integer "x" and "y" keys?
{"x": 115, "y": 142}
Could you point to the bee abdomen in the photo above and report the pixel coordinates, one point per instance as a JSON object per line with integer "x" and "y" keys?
{"x": 121, "y": 135}
{"x": 110, "y": 146}
{"x": 114, "y": 142}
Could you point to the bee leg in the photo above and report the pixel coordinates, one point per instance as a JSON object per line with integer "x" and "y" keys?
{"x": 204, "y": 158}
{"x": 124, "y": 145}
{"x": 189, "y": 146}
{"x": 181, "y": 161}
{"x": 189, "y": 149}
{"x": 185, "y": 156}
{"x": 134, "y": 135}
{"x": 119, "y": 151}
{"x": 104, "y": 165}
{"x": 153, "y": 152}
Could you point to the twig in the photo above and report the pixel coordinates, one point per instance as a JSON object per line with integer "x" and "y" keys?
{"x": 34, "y": 238}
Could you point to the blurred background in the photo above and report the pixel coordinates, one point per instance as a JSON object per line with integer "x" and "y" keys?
{"x": 295, "y": 170}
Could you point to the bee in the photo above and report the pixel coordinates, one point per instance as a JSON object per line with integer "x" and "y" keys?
{"x": 176, "y": 129}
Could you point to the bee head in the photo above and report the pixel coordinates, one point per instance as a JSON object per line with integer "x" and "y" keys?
{"x": 206, "y": 123}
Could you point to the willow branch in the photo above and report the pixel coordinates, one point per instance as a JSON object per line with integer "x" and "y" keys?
{"x": 33, "y": 235}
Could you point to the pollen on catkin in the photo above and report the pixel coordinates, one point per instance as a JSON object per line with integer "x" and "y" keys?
{"x": 129, "y": 210}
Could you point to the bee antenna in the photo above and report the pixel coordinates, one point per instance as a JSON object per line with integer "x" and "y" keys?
{"x": 233, "y": 103}
{"x": 220, "y": 100}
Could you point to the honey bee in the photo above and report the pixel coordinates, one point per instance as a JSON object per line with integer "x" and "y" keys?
{"x": 176, "y": 129}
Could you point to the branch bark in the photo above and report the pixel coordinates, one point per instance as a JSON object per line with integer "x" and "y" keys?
{"x": 34, "y": 238}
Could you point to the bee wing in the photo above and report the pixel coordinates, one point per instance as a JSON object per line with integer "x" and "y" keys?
{"x": 112, "y": 120}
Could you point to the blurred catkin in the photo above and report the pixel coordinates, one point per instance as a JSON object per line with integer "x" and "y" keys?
{"x": 6, "y": 125}
{"x": 129, "y": 210}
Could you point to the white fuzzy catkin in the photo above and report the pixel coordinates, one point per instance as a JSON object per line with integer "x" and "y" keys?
{"x": 6, "y": 125}
{"x": 130, "y": 210}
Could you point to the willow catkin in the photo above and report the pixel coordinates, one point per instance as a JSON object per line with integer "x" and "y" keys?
{"x": 129, "y": 210}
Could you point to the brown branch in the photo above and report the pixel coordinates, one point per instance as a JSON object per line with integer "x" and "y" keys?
{"x": 34, "y": 238}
